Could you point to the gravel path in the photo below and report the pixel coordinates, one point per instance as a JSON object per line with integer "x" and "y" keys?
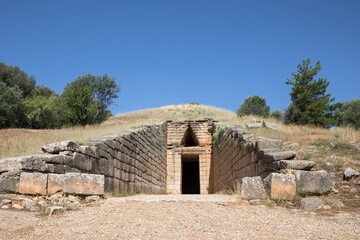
{"x": 181, "y": 217}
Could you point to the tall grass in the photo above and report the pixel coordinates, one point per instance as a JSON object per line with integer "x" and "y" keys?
{"x": 18, "y": 142}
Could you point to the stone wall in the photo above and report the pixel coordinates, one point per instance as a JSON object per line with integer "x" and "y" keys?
{"x": 237, "y": 153}
{"x": 132, "y": 162}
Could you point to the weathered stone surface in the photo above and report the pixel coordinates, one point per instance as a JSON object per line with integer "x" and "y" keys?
{"x": 312, "y": 182}
{"x": 282, "y": 186}
{"x": 31, "y": 163}
{"x": 61, "y": 147}
{"x": 276, "y": 156}
{"x": 349, "y": 173}
{"x": 54, "y": 210}
{"x": 264, "y": 143}
{"x": 29, "y": 204}
{"x": 335, "y": 203}
{"x": 252, "y": 188}
{"x": 311, "y": 204}
{"x": 85, "y": 184}
{"x": 51, "y": 158}
{"x": 9, "y": 184}
{"x": 91, "y": 199}
{"x": 55, "y": 183}
{"x": 17, "y": 206}
{"x": 33, "y": 183}
{"x": 82, "y": 162}
{"x": 294, "y": 164}
{"x": 254, "y": 125}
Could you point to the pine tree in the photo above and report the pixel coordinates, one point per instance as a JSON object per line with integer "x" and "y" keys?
{"x": 309, "y": 96}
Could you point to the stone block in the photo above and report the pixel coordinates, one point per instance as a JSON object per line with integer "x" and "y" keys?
{"x": 312, "y": 182}
{"x": 59, "y": 169}
{"x": 33, "y": 183}
{"x": 293, "y": 164}
{"x": 84, "y": 184}
{"x": 31, "y": 163}
{"x": 94, "y": 165}
{"x": 9, "y": 184}
{"x": 82, "y": 162}
{"x": 281, "y": 186}
{"x": 55, "y": 183}
{"x": 264, "y": 143}
{"x": 311, "y": 204}
{"x": 252, "y": 188}
{"x": 61, "y": 146}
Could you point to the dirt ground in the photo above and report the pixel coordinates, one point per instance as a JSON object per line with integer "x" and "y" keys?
{"x": 180, "y": 217}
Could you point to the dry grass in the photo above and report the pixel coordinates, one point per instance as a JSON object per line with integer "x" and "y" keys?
{"x": 17, "y": 142}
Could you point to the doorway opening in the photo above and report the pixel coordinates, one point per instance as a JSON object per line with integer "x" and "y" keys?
{"x": 190, "y": 182}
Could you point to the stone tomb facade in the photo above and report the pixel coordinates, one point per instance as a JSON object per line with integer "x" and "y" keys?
{"x": 189, "y": 157}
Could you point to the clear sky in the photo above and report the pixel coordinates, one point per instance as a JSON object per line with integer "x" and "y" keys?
{"x": 172, "y": 52}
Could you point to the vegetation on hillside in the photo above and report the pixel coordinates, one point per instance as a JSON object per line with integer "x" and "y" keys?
{"x": 254, "y": 105}
{"x": 25, "y": 105}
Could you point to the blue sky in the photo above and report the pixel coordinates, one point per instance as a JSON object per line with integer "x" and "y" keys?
{"x": 172, "y": 52}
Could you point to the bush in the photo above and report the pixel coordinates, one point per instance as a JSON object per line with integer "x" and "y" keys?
{"x": 348, "y": 114}
{"x": 277, "y": 114}
{"x": 254, "y": 105}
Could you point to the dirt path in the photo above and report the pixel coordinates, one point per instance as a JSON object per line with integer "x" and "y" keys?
{"x": 179, "y": 217}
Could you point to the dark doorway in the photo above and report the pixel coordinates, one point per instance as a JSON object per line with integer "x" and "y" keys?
{"x": 190, "y": 183}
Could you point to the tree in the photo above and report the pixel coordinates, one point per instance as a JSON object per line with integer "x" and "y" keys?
{"x": 348, "y": 114}
{"x": 254, "y": 105}
{"x": 12, "y": 113}
{"x": 309, "y": 99}
{"x": 88, "y": 97}
{"x": 277, "y": 114}
{"x": 14, "y": 76}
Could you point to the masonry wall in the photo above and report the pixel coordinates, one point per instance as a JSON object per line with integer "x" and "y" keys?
{"x": 238, "y": 153}
{"x": 132, "y": 162}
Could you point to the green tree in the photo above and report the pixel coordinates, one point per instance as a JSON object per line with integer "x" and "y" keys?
{"x": 14, "y": 76}
{"x": 12, "y": 113}
{"x": 309, "y": 99}
{"x": 88, "y": 97}
{"x": 254, "y": 105}
{"x": 277, "y": 114}
{"x": 348, "y": 114}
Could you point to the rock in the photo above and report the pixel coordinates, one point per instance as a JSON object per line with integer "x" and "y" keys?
{"x": 90, "y": 199}
{"x": 330, "y": 158}
{"x": 6, "y": 201}
{"x": 311, "y": 204}
{"x": 349, "y": 173}
{"x": 335, "y": 203}
{"x": 252, "y": 188}
{"x": 55, "y": 198}
{"x": 31, "y": 163}
{"x": 294, "y": 164}
{"x": 271, "y": 126}
{"x": 276, "y": 156}
{"x": 312, "y": 183}
{"x": 326, "y": 207}
{"x": 294, "y": 145}
{"x": 17, "y": 206}
{"x": 4, "y": 207}
{"x": 254, "y": 201}
{"x": 43, "y": 204}
{"x": 33, "y": 183}
{"x": 29, "y": 204}
{"x": 85, "y": 184}
{"x": 253, "y": 125}
{"x": 282, "y": 186}
{"x": 61, "y": 147}
{"x": 264, "y": 143}
{"x": 74, "y": 205}
{"x": 9, "y": 184}
{"x": 13, "y": 173}
{"x": 55, "y": 183}
{"x": 73, "y": 198}
{"x": 329, "y": 164}
{"x": 53, "y": 210}
{"x": 335, "y": 190}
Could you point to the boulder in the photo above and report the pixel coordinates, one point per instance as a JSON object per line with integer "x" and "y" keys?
{"x": 90, "y": 199}
{"x": 281, "y": 186}
{"x": 33, "y": 183}
{"x": 293, "y": 164}
{"x": 61, "y": 147}
{"x": 311, "y": 204}
{"x": 252, "y": 188}
{"x": 264, "y": 143}
{"x": 83, "y": 184}
{"x": 29, "y": 204}
{"x": 312, "y": 182}
{"x": 54, "y": 210}
{"x": 335, "y": 203}
{"x": 349, "y": 173}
